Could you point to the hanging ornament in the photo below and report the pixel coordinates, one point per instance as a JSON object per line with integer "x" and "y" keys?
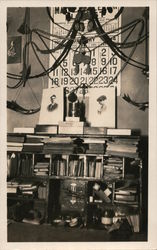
{"x": 68, "y": 16}
{"x": 90, "y": 26}
{"x": 88, "y": 70}
{"x": 77, "y": 69}
{"x": 110, "y": 9}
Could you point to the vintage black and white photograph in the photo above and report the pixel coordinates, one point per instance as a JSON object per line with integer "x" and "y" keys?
{"x": 77, "y": 135}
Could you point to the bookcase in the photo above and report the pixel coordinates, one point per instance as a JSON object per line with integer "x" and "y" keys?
{"x": 86, "y": 181}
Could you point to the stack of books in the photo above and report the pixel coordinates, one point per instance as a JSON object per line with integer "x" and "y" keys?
{"x": 24, "y": 188}
{"x": 126, "y": 196}
{"x": 119, "y": 131}
{"x": 127, "y": 147}
{"x": 15, "y": 138}
{"x": 24, "y": 130}
{"x": 58, "y": 145}
{"x": 112, "y": 168}
{"x": 71, "y": 127}
{"x": 12, "y": 187}
{"x": 28, "y": 188}
{"x": 15, "y": 143}
{"x": 33, "y": 147}
{"x": 35, "y": 138}
{"x": 94, "y": 148}
{"x": 101, "y": 131}
{"x": 46, "y": 129}
{"x": 41, "y": 169}
{"x": 94, "y": 145}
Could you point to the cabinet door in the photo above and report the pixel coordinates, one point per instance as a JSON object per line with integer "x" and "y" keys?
{"x": 72, "y": 195}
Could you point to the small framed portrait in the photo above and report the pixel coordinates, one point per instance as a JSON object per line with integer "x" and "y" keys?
{"x": 52, "y": 106}
{"x": 102, "y": 107}
{"x": 14, "y": 46}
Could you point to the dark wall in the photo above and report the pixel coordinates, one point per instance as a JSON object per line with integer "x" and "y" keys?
{"x": 133, "y": 83}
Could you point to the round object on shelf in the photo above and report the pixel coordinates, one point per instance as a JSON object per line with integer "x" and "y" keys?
{"x": 106, "y": 220}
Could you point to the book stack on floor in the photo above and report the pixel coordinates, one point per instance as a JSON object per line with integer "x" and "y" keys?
{"x": 33, "y": 221}
{"x": 15, "y": 142}
{"x": 33, "y": 217}
{"x": 58, "y": 145}
{"x": 112, "y": 168}
{"x": 127, "y": 147}
{"x": 41, "y": 169}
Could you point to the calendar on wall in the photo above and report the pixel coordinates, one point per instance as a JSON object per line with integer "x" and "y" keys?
{"x": 104, "y": 64}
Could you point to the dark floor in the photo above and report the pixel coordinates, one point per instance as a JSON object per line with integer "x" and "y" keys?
{"x": 23, "y": 232}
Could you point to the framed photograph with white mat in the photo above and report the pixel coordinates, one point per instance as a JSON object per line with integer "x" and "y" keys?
{"x": 52, "y": 106}
{"x": 102, "y": 107}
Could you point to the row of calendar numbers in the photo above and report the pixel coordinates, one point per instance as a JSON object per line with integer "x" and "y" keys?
{"x": 66, "y": 75}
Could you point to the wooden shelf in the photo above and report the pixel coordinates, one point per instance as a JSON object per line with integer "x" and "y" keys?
{"x": 58, "y": 185}
{"x": 27, "y": 198}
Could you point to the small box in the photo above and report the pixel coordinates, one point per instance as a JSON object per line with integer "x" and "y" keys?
{"x": 72, "y": 119}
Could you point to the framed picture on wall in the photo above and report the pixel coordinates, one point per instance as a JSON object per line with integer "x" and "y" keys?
{"x": 102, "y": 107}
{"x": 52, "y": 106}
{"x": 14, "y": 45}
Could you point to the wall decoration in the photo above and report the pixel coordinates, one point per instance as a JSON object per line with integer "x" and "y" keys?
{"x": 86, "y": 48}
{"x": 14, "y": 49}
{"x": 90, "y": 61}
{"x": 102, "y": 111}
{"x": 141, "y": 105}
{"x": 51, "y": 106}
